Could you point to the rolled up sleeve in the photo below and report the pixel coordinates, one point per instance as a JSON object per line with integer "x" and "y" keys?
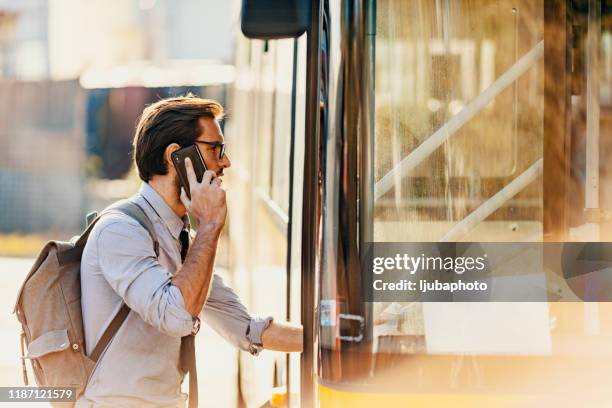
{"x": 226, "y": 314}
{"x": 129, "y": 264}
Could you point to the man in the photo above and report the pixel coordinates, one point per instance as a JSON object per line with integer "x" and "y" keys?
{"x": 167, "y": 296}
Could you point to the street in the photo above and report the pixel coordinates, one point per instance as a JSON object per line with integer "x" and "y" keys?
{"x": 216, "y": 359}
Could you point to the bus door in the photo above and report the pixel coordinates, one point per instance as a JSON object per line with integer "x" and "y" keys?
{"x": 461, "y": 121}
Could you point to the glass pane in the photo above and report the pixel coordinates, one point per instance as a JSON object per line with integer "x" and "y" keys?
{"x": 440, "y": 70}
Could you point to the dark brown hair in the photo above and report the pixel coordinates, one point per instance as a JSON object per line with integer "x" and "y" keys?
{"x": 172, "y": 120}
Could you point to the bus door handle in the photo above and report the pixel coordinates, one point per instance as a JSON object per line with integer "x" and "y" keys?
{"x": 360, "y": 319}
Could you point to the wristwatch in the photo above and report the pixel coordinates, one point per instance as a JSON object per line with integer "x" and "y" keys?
{"x": 196, "y": 326}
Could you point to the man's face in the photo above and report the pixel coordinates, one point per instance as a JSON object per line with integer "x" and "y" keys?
{"x": 209, "y": 142}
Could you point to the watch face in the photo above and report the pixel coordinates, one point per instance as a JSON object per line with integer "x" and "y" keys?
{"x": 255, "y": 349}
{"x": 196, "y": 326}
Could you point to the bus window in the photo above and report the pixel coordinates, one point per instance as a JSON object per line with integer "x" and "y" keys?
{"x": 282, "y": 125}
{"x": 434, "y": 59}
{"x": 263, "y": 132}
{"x": 259, "y": 133}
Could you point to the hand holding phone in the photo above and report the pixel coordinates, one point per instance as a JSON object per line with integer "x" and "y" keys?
{"x": 197, "y": 162}
{"x": 207, "y": 203}
{"x": 202, "y": 193}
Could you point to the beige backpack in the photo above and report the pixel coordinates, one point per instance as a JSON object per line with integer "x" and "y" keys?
{"x": 49, "y": 309}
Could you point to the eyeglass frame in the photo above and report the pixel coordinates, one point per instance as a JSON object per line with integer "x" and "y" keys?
{"x": 215, "y": 145}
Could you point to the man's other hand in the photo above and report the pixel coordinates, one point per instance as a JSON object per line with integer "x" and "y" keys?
{"x": 286, "y": 337}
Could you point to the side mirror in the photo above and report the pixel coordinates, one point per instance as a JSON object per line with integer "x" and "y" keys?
{"x": 274, "y": 19}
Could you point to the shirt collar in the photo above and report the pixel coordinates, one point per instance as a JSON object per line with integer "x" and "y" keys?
{"x": 174, "y": 223}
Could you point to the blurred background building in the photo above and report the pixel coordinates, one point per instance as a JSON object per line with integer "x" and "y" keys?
{"x": 74, "y": 76}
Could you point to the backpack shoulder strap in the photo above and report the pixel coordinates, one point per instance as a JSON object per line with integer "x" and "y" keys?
{"x": 127, "y": 207}
{"x": 135, "y": 211}
{"x": 110, "y": 332}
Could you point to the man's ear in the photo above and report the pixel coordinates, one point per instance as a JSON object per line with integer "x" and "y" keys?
{"x": 171, "y": 148}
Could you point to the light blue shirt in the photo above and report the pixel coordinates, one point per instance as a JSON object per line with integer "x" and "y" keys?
{"x": 140, "y": 366}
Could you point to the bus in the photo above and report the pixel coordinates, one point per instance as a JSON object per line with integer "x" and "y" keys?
{"x": 425, "y": 121}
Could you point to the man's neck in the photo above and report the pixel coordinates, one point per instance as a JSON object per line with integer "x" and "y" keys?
{"x": 167, "y": 190}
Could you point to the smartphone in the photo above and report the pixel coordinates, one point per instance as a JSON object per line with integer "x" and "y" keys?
{"x": 199, "y": 167}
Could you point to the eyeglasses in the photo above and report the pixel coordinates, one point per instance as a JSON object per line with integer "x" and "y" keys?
{"x": 215, "y": 145}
